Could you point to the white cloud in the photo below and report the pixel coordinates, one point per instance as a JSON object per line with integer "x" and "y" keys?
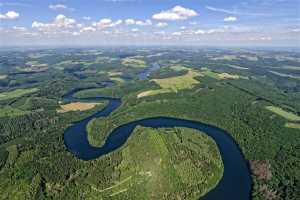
{"x": 87, "y": 29}
{"x": 19, "y": 28}
{"x": 144, "y": 23}
{"x": 177, "y": 33}
{"x": 107, "y": 23}
{"x": 230, "y": 19}
{"x": 135, "y": 30}
{"x": 60, "y": 7}
{"x": 176, "y": 13}
{"x": 234, "y": 12}
{"x": 182, "y": 27}
{"x": 129, "y": 21}
{"x": 87, "y": 18}
{"x": 60, "y": 21}
{"x": 200, "y": 31}
{"x": 162, "y": 24}
{"x": 57, "y": 6}
{"x": 75, "y": 33}
{"x": 10, "y": 15}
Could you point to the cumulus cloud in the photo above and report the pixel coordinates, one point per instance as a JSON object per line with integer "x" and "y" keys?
{"x": 87, "y": 29}
{"x": 199, "y": 31}
{"x": 129, "y": 21}
{"x": 176, "y": 13}
{"x": 138, "y": 22}
{"x": 107, "y": 23}
{"x": 230, "y": 19}
{"x": 60, "y": 7}
{"x": 162, "y": 24}
{"x": 10, "y": 15}
{"x": 60, "y": 21}
{"x": 144, "y": 23}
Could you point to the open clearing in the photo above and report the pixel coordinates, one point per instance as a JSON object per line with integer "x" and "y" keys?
{"x": 287, "y": 115}
{"x": 219, "y": 76}
{"x": 176, "y": 83}
{"x": 132, "y": 62}
{"x": 77, "y": 106}
{"x": 173, "y": 84}
{"x": 292, "y": 125}
{"x": 17, "y": 93}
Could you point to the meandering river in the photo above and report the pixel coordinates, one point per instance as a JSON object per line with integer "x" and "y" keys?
{"x": 235, "y": 183}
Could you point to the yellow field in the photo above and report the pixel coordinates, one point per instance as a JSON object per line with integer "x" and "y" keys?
{"x": 173, "y": 84}
{"x": 117, "y": 79}
{"x": 176, "y": 83}
{"x": 219, "y": 76}
{"x": 287, "y": 115}
{"x": 225, "y": 57}
{"x": 134, "y": 62}
{"x": 76, "y": 106}
{"x": 152, "y": 92}
{"x": 115, "y": 73}
{"x": 292, "y": 125}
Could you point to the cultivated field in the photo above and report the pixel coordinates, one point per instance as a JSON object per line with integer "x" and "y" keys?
{"x": 132, "y": 62}
{"x": 76, "y": 106}
{"x": 17, "y": 93}
{"x": 287, "y": 115}
{"x": 173, "y": 84}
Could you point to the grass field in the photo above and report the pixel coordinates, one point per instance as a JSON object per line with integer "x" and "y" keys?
{"x": 225, "y": 57}
{"x": 17, "y": 93}
{"x": 173, "y": 84}
{"x": 157, "y": 164}
{"x": 132, "y": 62}
{"x": 287, "y": 115}
{"x": 292, "y": 125}
{"x": 153, "y": 92}
{"x": 10, "y": 111}
{"x": 176, "y": 83}
{"x": 77, "y": 106}
{"x": 219, "y": 76}
{"x": 117, "y": 79}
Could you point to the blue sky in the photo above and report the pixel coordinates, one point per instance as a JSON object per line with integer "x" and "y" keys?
{"x": 150, "y": 22}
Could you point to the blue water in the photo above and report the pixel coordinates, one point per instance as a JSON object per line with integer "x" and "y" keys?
{"x": 235, "y": 183}
{"x": 145, "y": 74}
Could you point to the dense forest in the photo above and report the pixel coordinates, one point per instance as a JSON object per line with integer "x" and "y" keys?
{"x": 229, "y": 89}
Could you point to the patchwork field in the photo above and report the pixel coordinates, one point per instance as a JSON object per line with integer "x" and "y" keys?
{"x": 219, "y": 76}
{"x": 77, "y": 106}
{"x": 173, "y": 84}
{"x": 157, "y": 164}
{"x": 287, "y": 115}
{"x": 132, "y": 62}
{"x": 17, "y": 93}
